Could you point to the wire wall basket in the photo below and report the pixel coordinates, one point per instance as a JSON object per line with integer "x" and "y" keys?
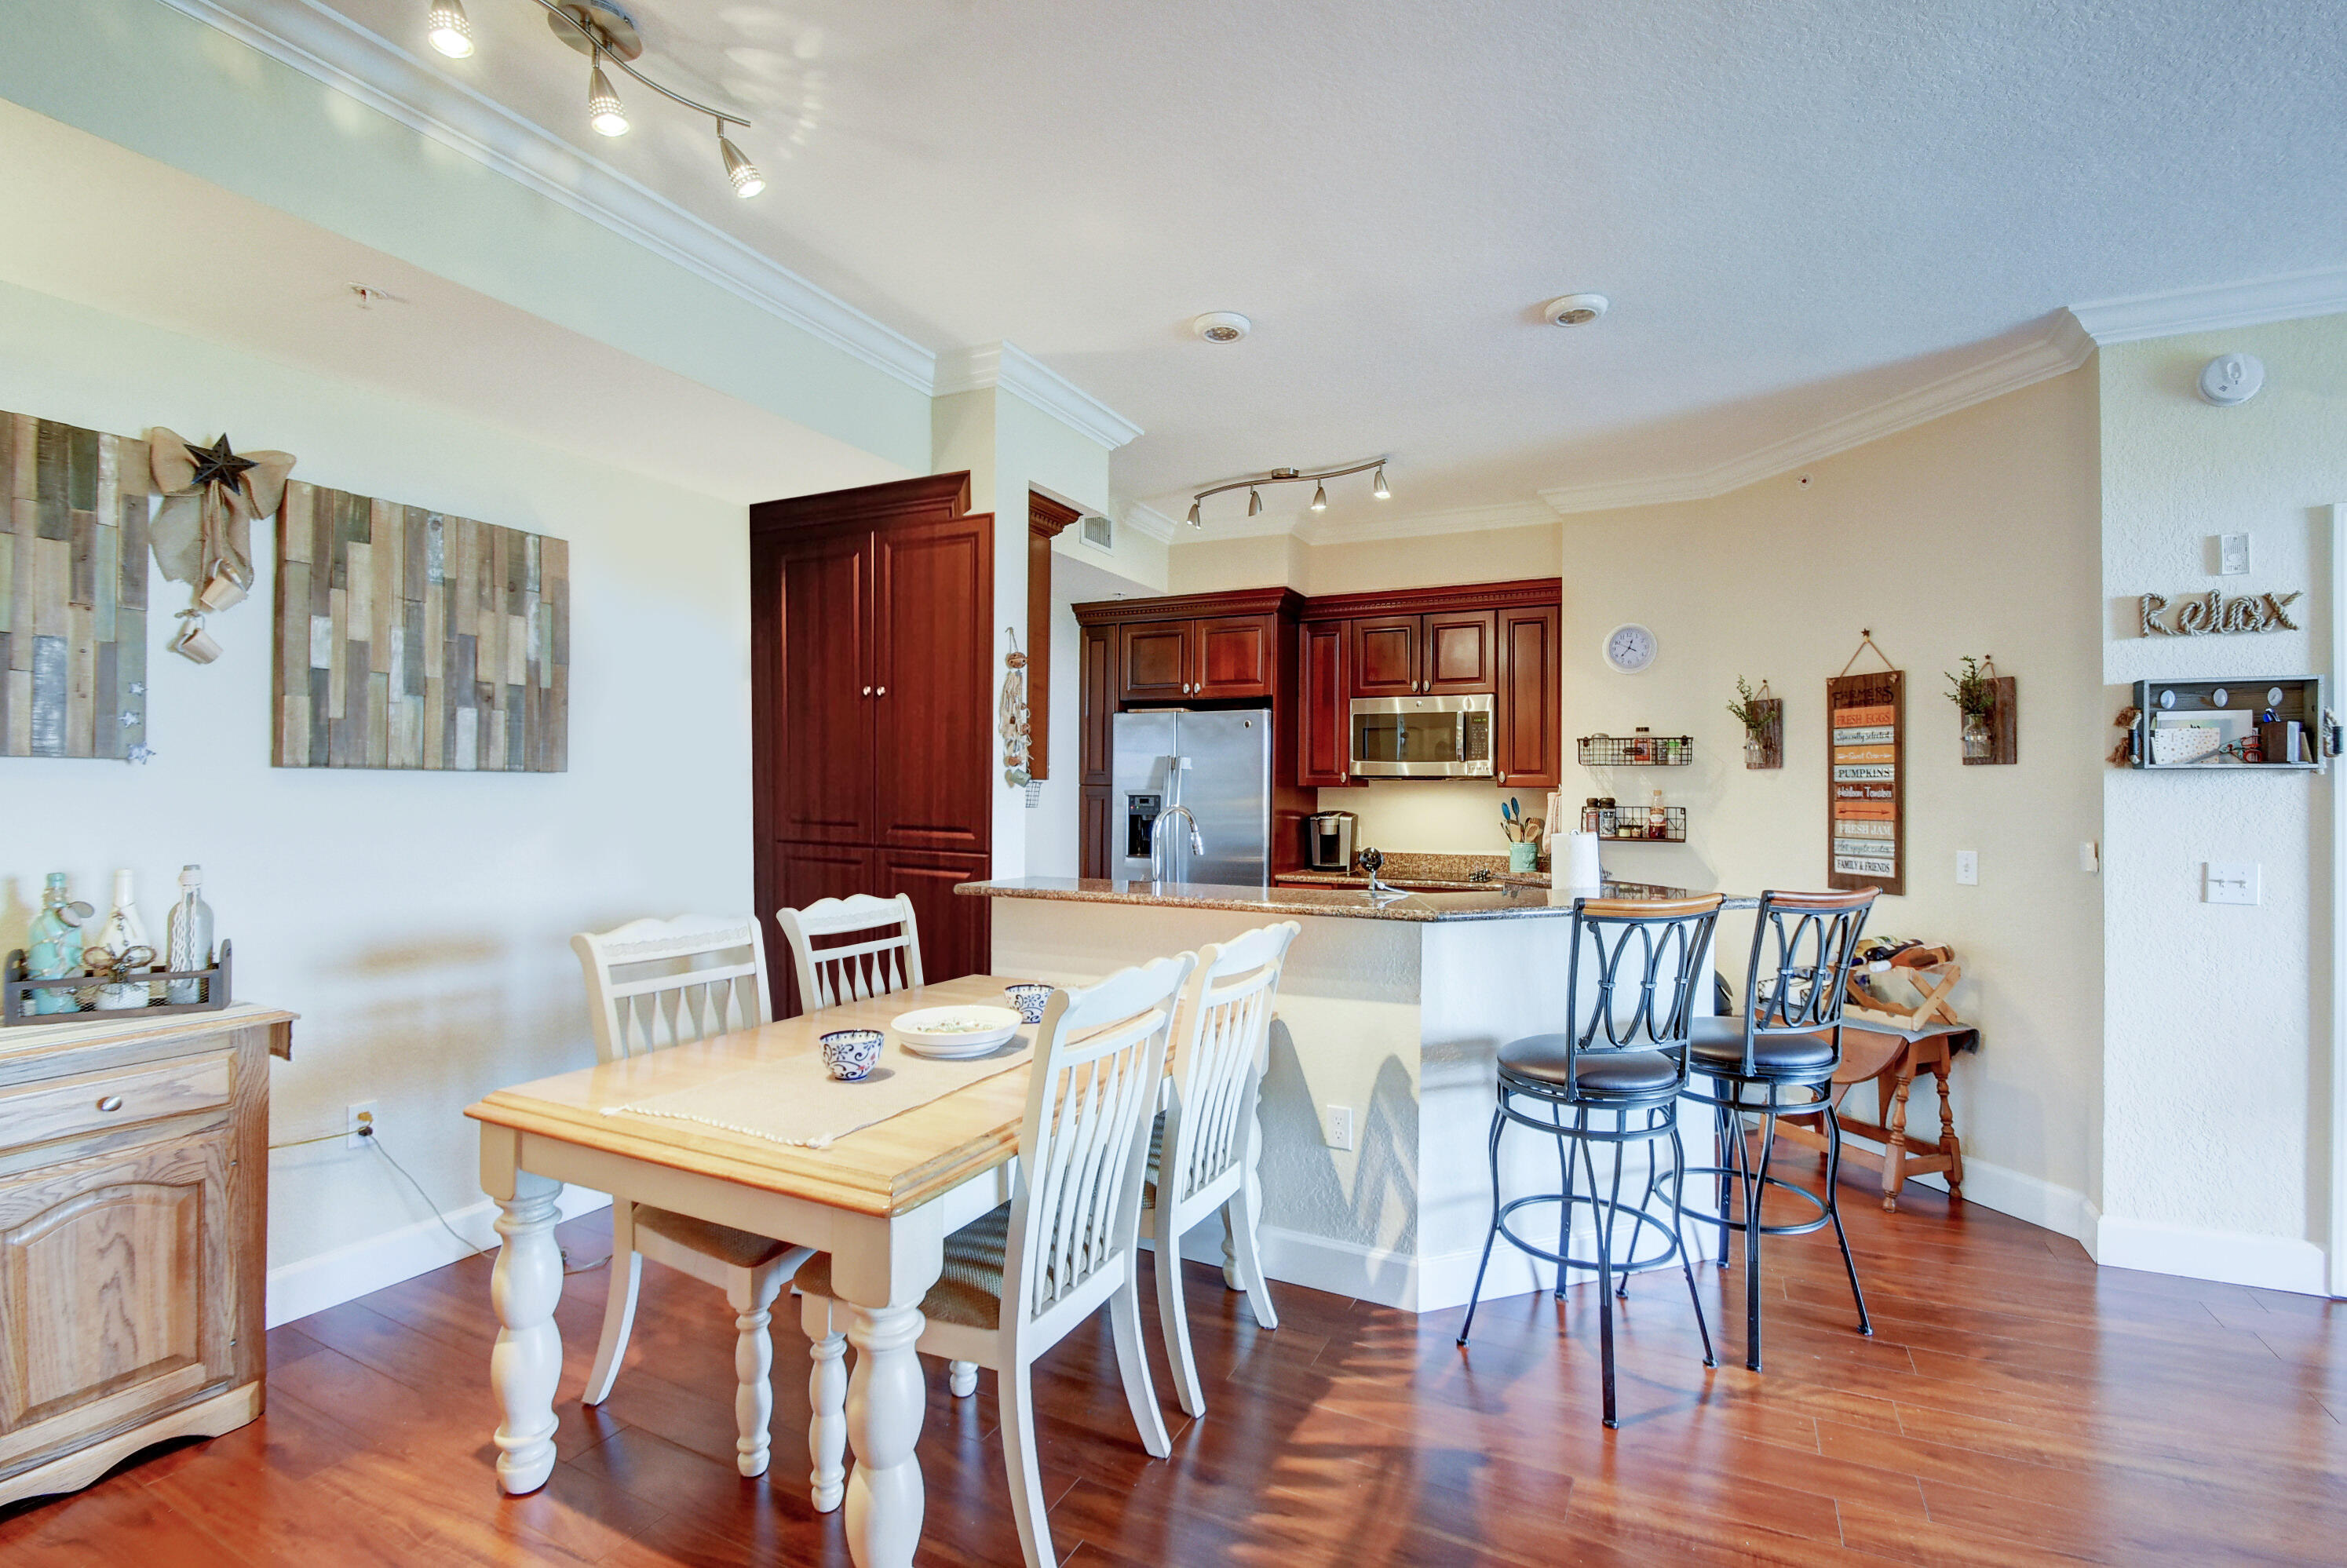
{"x": 1639, "y": 751}
{"x": 19, "y": 991}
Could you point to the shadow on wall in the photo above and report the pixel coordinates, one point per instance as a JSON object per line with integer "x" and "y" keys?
{"x": 1308, "y": 1195}
{"x": 20, "y": 900}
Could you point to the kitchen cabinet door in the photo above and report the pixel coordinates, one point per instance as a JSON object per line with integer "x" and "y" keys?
{"x": 1092, "y": 831}
{"x": 1460, "y": 653}
{"x": 1155, "y": 660}
{"x": 956, "y": 933}
{"x": 1527, "y": 745}
{"x": 116, "y": 1295}
{"x": 1238, "y": 656}
{"x": 1096, "y": 689}
{"x": 815, "y": 593}
{"x": 1386, "y": 651}
{"x": 1324, "y": 752}
{"x": 934, "y": 666}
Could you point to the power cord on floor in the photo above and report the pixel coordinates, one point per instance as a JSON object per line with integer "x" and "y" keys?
{"x": 367, "y": 1133}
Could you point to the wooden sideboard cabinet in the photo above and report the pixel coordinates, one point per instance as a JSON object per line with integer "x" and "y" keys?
{"x": 134, "y": 1199}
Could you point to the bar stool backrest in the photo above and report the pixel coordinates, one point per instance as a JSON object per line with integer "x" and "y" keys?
{"x": 1637, "y": 975}
{"x": 1803, "y": 945}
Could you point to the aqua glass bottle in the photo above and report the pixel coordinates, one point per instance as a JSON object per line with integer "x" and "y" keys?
{"x": 54, "y": 949}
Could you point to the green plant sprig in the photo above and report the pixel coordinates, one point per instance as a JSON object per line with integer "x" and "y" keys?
{"x": 1972, "y": 692}
{"x": 1744, "y": 711}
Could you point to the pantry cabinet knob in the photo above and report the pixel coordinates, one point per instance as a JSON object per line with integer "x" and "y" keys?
{"x": 882, "y": 692}
{"x": 111, "y": 1102}
{"x": 868, "y": 691}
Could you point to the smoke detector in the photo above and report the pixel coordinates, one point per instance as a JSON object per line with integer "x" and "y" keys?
{"x": 1574, "y": 310}
{"x": 1222, "y": 326}
{"x": 2231, "y": 379}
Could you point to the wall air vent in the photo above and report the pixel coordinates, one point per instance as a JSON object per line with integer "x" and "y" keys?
{"x": 1099, "y": 532}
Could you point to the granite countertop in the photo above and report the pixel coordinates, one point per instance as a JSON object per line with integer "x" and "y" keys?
{"x": 1502, "y": 903}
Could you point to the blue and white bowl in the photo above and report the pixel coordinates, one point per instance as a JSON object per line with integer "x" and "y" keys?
{"x": 849, "y": 1054}
{"x": 1030, "y": 998}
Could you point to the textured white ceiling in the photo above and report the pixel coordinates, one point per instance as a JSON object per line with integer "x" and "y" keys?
{"x": 1799, "y": 209}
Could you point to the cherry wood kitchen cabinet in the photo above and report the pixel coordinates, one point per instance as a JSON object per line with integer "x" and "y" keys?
{"x": 872, "y": 707}
{"x": 1444, "y": 653}
{"x": 134, "y": 1197}
{"x": 1387, "y": 652}
{"x": 1528, "y": 729}
{"x": 1324, "y": 751}
{"x": 1096, "y": 685}
{"x": 1218, "y": 657}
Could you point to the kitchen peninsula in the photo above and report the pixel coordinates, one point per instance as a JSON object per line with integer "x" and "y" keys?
{"x": 1377, "y": 1102}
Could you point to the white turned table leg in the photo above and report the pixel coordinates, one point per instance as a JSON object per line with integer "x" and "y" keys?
{"x": 886, "y": 1399}
{"x": 827, "y": 1401}
{"x": 526, "y": 1364}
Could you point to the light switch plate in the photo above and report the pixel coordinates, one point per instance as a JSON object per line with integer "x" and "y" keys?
{"x": 2232, "y": 554}
{"x": 2090, "y": 856}
{"x": 1968, "y": 867}
{"x": 2229, "y": 882}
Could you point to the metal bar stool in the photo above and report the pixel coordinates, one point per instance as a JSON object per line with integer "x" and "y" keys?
{"x": 1777, "y": 1058}
{"x": 1630, "y": 998}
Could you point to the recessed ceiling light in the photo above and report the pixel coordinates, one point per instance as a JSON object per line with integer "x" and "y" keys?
{"x": 1222, "y": 326}
{"x": 1574, "y": 310}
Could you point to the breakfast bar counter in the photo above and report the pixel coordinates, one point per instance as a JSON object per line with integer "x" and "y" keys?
{"x": 1376, "y": 1103}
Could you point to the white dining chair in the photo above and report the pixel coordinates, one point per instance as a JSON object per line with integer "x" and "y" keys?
{"x": 852, "y": 970}
{"x": 650, "y": 985}
{"x": 1203, "y": 1152}
{"x": 1020, "y": 1279}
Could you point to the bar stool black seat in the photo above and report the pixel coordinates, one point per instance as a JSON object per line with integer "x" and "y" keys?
{"x": 1777, "y": 1058}
{"x": 1630, "y": 996}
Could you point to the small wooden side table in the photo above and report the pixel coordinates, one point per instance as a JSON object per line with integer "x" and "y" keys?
{"x": 1891, "y": 1058}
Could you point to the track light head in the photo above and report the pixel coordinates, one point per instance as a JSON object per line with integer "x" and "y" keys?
{"x": 1319, "y": 498}
{"x": 447, "y": 29}
{"x": 1378, "y": 489}
{"x": 603, "y": 110}
{"x": 747, "y": 180}
{"x": 1254, "y": 502}
{"x": 1194, "y": 516}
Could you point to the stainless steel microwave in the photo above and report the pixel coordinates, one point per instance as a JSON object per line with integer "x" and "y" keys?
{"x": 1423, "y": 737}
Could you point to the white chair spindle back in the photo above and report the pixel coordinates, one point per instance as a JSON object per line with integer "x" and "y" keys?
{"x": 653, "y": 984}
{"x": 1217, "y": 1055}
{"x": 852, "y": 970}
{"x": 1099, "y": 1062}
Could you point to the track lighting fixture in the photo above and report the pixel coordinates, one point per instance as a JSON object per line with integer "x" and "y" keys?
{"x": 603, "y": 110}
{"x": 1294, "y": 476}
{"x": 604, "y": 32}
{"x": 448, "y": 30}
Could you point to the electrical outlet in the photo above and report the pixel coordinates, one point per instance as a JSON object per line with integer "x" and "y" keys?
{"x": 357, "y": 1116}
{"x": 1968, "y": 867}
{"x": 1336, "y": 1126}
{"x": 2090, "y": 856}
{"x": 2229, "y": 882}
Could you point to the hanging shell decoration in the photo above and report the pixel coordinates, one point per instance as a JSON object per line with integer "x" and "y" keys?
{"x": 1016, "y": 735}
{"x": 203, "y": 531}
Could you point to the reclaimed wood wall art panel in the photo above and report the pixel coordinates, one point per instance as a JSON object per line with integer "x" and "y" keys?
{"x": 73, "y": 590}
{"x": 1866, "y": 788}
{"x": 410, "y": 639}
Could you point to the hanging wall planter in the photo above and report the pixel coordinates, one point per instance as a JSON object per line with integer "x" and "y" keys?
{"x": 1985, "y": 700}
{"x": 1763, "y": 718}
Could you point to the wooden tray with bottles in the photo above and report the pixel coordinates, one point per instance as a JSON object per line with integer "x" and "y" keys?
{"x": 17, "y": 991}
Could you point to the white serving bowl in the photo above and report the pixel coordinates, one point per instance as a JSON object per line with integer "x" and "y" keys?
{"x": 967, "y": 1028}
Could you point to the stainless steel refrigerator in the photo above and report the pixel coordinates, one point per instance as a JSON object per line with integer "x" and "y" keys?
{"x": 1216, "y": 764}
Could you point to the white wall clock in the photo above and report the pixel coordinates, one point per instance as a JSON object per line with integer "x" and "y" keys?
{"x": 1630, "y": 649}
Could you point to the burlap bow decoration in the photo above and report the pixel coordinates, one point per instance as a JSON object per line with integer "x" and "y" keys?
{"x": 203, "y": 531}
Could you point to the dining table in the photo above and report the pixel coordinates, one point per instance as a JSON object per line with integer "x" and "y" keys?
{"x": 874, "y": 1198}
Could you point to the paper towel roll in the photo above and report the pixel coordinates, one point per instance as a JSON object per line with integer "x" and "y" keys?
{"x": 1576, "y": 867}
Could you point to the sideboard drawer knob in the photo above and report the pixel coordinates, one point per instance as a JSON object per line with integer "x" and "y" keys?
{"x": 111, "y": 1102}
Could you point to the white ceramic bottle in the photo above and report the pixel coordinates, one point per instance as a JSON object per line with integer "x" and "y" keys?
{"x": 188, "y": 945}
{"x": 122, "y": 931}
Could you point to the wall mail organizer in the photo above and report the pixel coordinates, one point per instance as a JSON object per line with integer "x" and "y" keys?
{"x": 410, "y": 639}
{"x": 2213, "y": 613}
{"x": 2274, "y": 724}
{"x": 73, "y": 592}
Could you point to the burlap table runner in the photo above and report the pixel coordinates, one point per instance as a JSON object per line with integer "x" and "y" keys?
{"x": 794, "y": 1101}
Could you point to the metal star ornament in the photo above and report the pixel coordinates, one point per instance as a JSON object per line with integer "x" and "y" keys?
{"x": 216, "y": 463}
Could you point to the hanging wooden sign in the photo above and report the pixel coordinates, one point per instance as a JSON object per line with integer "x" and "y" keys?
{"x": 1866, "y": 781}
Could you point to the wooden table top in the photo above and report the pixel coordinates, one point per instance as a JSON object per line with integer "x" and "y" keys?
{"x": 884, "y": 1169}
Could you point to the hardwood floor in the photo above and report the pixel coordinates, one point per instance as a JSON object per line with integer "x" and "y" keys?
{"x": 2016, "y": 1405}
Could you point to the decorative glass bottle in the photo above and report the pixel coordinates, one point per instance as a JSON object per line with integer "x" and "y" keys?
{"x": 53, "y": 946}
{"x": 1976, "y": 736}
{"x": 121, "y": 936}
{"x": 188, "y": 945}
{"x": 1657, "y": 819}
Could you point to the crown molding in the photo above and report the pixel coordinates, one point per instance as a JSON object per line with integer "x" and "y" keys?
{"x": 1011, "y": 369}
{"x": 2060, "y": 346}
{"x": 1149, "y": 520}
{"x": 2290, "y": 297}
{"x": 330, "y": 48}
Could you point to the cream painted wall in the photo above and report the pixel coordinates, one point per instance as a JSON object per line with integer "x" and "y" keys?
{"x": 2193, "y": 989}
{"x": 1975, "y": 534}
{"x": 418, "y": 922}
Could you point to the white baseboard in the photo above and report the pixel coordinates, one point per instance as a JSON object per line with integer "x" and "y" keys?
{"x": 2062, "y": 1210}
{"x": 331, "y": 1278}
{"x": 2234, "y": 1257}
{"x": 1427, "y": 1283}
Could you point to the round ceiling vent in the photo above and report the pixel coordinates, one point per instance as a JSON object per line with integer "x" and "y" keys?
{"x": 1222, "y": 326}
{"x": 1574, "y": 310}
